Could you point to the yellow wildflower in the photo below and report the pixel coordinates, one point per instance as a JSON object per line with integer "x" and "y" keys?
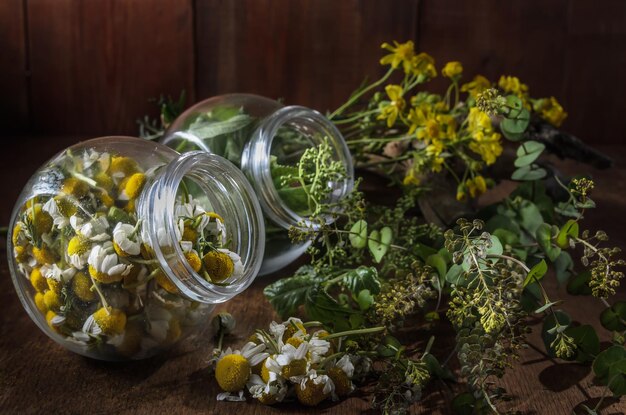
{"x": 423, "y": 65}
{"x": 410, "y": 179}
{"x": 401, "y": 53}
{"x": 476, "y": 86}
{"x": 37, "y": 280}
{"x": 54, "y": 285}
{"x": 513, "y": 85}
{"x": 476, "y": 186}
{"x": 112, "y": 321}
{"x": 550, "y": 110}
{"x": 488, "y": 146}
{"x": 452, "y": 70}
{"x": 232, "y": 372}
{"x": 478, "y": 120}
{"x": 434, "y": 151}
{"x": 391, "y": 110}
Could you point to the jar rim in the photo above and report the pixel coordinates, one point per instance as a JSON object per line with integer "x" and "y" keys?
{"x": 256, "y": 159}
{"x": 225, "y": 186}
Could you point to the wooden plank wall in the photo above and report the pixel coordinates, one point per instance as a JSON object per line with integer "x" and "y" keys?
{"x": 89, "y": 67}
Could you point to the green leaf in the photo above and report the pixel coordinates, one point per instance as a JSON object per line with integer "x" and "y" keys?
{"x": 204, "y": 129}
{"x": 530, "y": 216}
{"x": 320, "y": 306}
{"x": 536, "y": 273}
{"x": 287, "y": 294}
{"x": 506, "y": 237}
{"x": 614, "y": 318}
{"x": 362, "y": 278}
{"x": 550, "y": 324}
{"x": 563, "y": 267}
{"x": 389, "y": 346}
{"x": 544, "y": 238}
{"x": 358, "y": 234}
{"x": 587, "y": 342}
{"x": 436, "y": 370}
{"x": 496, "y": 246}
{"x": 464, "y": 404}
{"x": 438, "y": 263}
{"x": 516, "y": 125}
{"x": 528, "y": 152}
{"x": 546, "y": 306}
{"x": 570, "y": 229}
{"x": 365, "y": 299}
{"x": 456, "y": 275}
{"x": 610, "y": 367}
{"x": 499, "y": 221}
{"x": 378, "y": 243}
{"x": 579, "y": 285}
{"x": 529, "y": 173}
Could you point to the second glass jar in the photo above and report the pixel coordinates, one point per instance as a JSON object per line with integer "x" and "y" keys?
{"x": 277, "y": 147}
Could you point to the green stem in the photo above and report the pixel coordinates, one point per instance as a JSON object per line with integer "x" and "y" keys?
{"x": 386, "y": 161}
{"x": 355, "y": 332}
{"x": 359, "y": 94}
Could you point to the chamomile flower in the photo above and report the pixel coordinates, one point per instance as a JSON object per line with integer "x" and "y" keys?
{"x": 222, "y": 264}
{"x": 78, "y": 249}
{"x": 57, "y": 273}
{"x": 292, "y": 360}
{"x": 318, "y": 348}
{"x": 233, "y": 368}
{"x": 104, "y": 265}
{"x": 267, "y": 393}
{"x": 125, "y": 240}
{"x": 314, "y": 388}
{"x": 341, "y": 374}
{"x": 55, "y": 211}
{"x": 216, "y": 226}
{"x": 95, "y": 229}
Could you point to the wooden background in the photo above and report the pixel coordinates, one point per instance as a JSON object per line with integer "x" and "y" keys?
{"x": 72, "y": 67}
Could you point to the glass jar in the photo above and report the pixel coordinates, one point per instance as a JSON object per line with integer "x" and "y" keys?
{"x": 267, "y": 141}
{"x": 120, "y": 246}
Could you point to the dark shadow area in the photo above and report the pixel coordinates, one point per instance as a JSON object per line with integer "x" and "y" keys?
{"x": 560, "y": 377}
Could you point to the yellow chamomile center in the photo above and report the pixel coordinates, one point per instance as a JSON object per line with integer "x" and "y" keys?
{"x": 111, "y": 321}
{"x": 41, "y": 220}
{"x": 296, "y": 367}
{"x": 343, "y": 385}
{"x": 218, "y": 265}
{"x": 312, "y": 394}
{"x": 232, "y": 372}
{"x": 75, "y": 187}
{"x": 37, "y": 280}
{"x": 194, "y": 260}
{"x": 81, "y": 285}
{"x": 78, "y": 245}
{"x": 134, "y": 185}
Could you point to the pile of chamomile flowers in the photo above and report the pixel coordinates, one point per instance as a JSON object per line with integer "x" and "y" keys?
{"x": 288, "y": 362}
{"x": 89, "y": 260}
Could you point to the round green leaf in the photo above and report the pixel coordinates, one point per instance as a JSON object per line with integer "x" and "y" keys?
{"x": 614, "y": 317}
{"x": 358, "y": 234}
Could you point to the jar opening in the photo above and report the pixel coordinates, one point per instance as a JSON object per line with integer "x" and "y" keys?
{"x": 219, "y": 187}
{"x": 272, "y": 158}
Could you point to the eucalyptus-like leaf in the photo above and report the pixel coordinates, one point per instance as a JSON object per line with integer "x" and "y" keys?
{"x": 358, "y": 234}
{"x": 378, "y": 243}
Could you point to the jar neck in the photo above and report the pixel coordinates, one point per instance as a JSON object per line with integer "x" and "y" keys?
{"x": 228, "y": 193}
{"x": 257, "y": 157}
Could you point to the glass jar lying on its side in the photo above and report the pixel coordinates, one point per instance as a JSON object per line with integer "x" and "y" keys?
{"x": 120, "y": 246}
{"x": 295, "y": 158}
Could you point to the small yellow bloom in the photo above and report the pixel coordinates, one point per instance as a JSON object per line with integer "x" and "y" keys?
{"x": 111, "y": 321}
{"x": 401, "y": 53}
{"x": 423, "y": 65}
{"x": 218, "y": 265}
{"x": 134, "y": 185}
{"x": 81, "y": 286}
{"x": 37, "y": 280}
{"x": 75, "y": 187}
{"x": 476, "y": 186}
{"x": 476, "y": 86}
{"x": 391, "y": 110}
{"x": 410, "y": 179}
{"x": 550, "y": 110}
{"x": 232, "y": 372}
{"x": 78, "y": 245}
{"x": 189, "y": 233}
{"x": 49, "y": 316}
{"x": 513, "y": 85}
{"x": 452, "y": 70}
{"x": 488, "y": 147}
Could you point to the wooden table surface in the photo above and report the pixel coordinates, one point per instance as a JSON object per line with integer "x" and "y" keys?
{"x": 38, "y": 376}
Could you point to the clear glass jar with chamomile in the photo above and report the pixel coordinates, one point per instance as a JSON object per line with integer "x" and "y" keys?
{"x": 119, "y": 247}
{"x": 295, "y": 158}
